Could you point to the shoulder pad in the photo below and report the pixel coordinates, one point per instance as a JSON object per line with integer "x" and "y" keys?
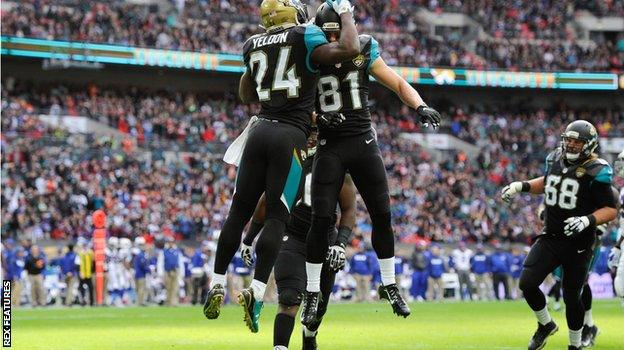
{"x": 600, "y": 170}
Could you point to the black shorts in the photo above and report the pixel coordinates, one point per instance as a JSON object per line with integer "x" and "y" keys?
{"x": 271, "y": 163}
{"x": 360, "y": 156}
{"x": 548, "y": 252}
{"x": 290, "y": 267}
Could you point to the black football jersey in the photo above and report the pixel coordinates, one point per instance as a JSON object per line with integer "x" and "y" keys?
{"x": 301, "y": 217}
{"x": 343, "y": 88}
{"x": 283, "y": 73}
{"x": 575, "y": 190}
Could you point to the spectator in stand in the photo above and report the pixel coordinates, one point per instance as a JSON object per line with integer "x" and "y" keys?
{"x": 517, "y": 261}
{"x": 436, "y": 267}
{"x": 501, "y": 268}
{"x": 69, "y": 269}
{"x": 481, "y": 267}
{"x": 35, "y": 265}
{"x": 460, "y": 261}
{"x": 420, "y": 275}
{"x": 361, "y": 268}
{"x": 141, "y": 270}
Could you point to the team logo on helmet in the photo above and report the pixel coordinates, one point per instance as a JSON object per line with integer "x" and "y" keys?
{"x": 359, "y": 60}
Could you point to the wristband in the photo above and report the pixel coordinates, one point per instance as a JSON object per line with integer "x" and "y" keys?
{"x": 592, "y": 220}
{"x": 344, "y": 233}
{"x": 526, "y": 187}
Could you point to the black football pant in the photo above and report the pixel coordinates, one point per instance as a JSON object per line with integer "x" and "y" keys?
{"x": 271, "y": 163}
{"x": 360, "y": 156}
{"x": 546, "y": 254}
{"x": 497, "y": 279}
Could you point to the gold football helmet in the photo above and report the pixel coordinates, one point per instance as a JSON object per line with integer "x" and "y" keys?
{"x": 279, "y": 14}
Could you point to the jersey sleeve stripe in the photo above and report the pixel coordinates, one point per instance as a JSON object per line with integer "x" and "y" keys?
{"x": 374, "y": 52}
{"x": 605, "y": 175}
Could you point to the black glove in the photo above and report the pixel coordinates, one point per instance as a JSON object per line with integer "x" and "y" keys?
{"x": 428, "y": 116}
{"x": 330, "y": 120}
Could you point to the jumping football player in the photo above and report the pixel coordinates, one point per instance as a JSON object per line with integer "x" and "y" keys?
{"x": 290, "y": 273}
{"x": 616, "y": 259}
{"x": 578, "y": 197}
{"x": 282, "y": 72}
{"x": 352, "y": 146}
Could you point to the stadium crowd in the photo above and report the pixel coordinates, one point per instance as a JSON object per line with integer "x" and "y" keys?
{"x": 530, "y": 35}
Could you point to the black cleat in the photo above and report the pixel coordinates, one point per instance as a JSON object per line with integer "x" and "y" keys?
{"x": 252, "y": 309}
{"x": 391, "y": 293}
{"x": 541, "y": 334}
{"x": 572, "y": 347}
{"x": 212, "y": 306}
{"x": 309, "y": 343}
{"x": 311, "y": 302}
{"x": 589, "y": 335}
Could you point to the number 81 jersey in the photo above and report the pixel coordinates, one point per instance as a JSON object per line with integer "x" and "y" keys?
{"x": 343, "y": 88}
{"x": 575, "y": 190}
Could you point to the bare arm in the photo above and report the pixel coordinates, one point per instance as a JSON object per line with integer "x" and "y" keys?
{"x": 604, "y": 215}
{"x": 246, "y": 91}
{"x": 346, "y": 200}
{"x": 390, "y": 79}
{"x": 257, "y": 221}
{"x": 536, "y": 185}
{"x": 346, "y": 48}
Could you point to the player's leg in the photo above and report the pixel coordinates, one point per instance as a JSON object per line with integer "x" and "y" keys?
{"x": 540, "y": 261}
{"x": 248, "y": 189}
{"x": 290, "y": 279}
{"x": 327, "y": 178}
{"x": 590, "y": 330}
{"x": 575, "y": 269}
{"x": 283, "y": 178}
{"x": 369, "y": 176}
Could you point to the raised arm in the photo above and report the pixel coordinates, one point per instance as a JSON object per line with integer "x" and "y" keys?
{"x": 348, "y": 46}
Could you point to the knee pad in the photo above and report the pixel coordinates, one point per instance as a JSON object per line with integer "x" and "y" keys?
{"x": 289, "y": 297}
{"x": 526, "y": 282}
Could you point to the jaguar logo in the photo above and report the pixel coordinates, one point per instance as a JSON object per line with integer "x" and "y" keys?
{"x": 580, "y": 172}
{"x": 359, "y": 60}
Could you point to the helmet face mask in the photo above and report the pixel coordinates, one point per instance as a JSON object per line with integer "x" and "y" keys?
{"x": 579, "y": 141}
{"x": 328, "y": 20}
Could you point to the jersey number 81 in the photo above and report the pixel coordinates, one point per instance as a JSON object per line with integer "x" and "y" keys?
{"x": 565, "y": 196}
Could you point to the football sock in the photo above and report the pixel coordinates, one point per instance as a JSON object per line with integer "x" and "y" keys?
{"x": 386, "y": 266}
{"x": 258, "y": 288}
{"x": 575, "y": 337}
{"x": 313, "y": 272}
{"x": 218, "y": 278}
{"x": 282, "y": 329}
{"x": 589, "y": 320}
{"x": 308, "y": 333}
{"x": 543, "y": 316}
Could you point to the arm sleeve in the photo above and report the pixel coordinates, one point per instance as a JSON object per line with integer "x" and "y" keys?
{"x": 374, "y": 52}
{"x": 313, "y": 38}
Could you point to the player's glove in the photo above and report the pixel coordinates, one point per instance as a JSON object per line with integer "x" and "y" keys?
{"x": 330, "y": 120}
{"x": 340, "y": 6}
{"x": 602, "y": 229}
{"x": 575, "y": 225}
{"x": 614, "y": 258}
{"x": 428, "y": 116}
{"x": 247, "y": 254}
{"x": 511, "y": 190}
{"x": 336, "y": 257}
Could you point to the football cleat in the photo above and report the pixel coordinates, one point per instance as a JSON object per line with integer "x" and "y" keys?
{"x": 391, "y": 293}
{"x": 589, "y": 335}
{"x": 541, "y": 334}
{"x": 572, "y": 347}
{"x": 212, "y": 306}
{"x": 311, "y": 302}
{"x": 252, "y": 309}
{"x": 309, "y": 343}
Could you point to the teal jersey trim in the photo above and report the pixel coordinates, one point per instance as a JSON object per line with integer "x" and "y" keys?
{"x": 605, "y": 175}
{"x": 374, "y": 52}
{"x": 313, "y": 37}
{"x": 291, "y": 188}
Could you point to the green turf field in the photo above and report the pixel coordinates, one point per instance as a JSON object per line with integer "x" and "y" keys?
{"x": 491, "y": 325}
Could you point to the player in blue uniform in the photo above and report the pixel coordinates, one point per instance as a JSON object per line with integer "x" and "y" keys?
{"x": 281, "y": 73}
{"x": 578, "y": 197}
{"x": 352, "y": 146}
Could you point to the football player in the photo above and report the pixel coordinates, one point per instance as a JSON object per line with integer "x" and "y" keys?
{"x": 578, "y": 197}
{"x": 290, "y": 273}
{"x": 352, "y": 146}
{"x": 616, "y": 260}
{"x": 281, "y": 73}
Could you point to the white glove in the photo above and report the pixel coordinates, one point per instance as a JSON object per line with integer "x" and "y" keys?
{"x": 602, "y": 228}
{"x": 511, "y": 190}
{"x": 340, "y": 6}
{"x": 614, "y": 258}
{"x": 247, "y": 254}
{"x": 336, "y": 257}
{"x": 575, "y": 225}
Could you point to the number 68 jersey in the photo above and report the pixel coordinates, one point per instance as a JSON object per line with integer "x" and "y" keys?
{"x": 575, "y": 190}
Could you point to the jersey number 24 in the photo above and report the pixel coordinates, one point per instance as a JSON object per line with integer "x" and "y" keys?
{"x": 282, "y": 80}
{"x": 566, "y": 194}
